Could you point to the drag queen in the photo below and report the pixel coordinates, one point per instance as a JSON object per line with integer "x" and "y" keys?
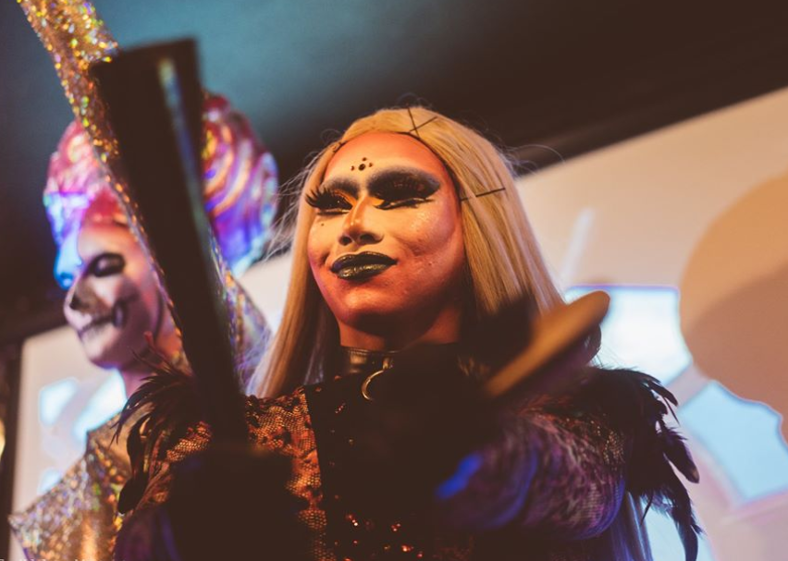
{"x": 114, "y": 304}
{"x": 411, "y": 256}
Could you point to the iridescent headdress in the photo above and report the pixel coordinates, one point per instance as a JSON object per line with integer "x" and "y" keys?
{"x": 240, "y": 184}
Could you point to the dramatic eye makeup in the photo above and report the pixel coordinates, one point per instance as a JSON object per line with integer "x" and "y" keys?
{"x": 331, "y": 197}
{"x": 106, "y": 264}
{"x": 395, "y": 188}
{"x": 402, "y": 188}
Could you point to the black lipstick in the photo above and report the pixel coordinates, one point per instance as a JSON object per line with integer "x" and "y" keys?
{"x": 361, "y": 266}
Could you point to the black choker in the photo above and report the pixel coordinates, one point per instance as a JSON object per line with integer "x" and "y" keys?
{"x": 371, "y": 364}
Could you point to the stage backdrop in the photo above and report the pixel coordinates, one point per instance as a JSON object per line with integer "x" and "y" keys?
{"x": 687, "y": 227}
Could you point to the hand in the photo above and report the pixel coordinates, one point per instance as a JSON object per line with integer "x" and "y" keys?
{"x": 230, "y": 502}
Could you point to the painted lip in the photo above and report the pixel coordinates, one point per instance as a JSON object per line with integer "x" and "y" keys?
{"x": 360, "y": 266}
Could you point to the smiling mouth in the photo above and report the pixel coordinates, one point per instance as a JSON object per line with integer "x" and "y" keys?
{"x": 361, "y": 266}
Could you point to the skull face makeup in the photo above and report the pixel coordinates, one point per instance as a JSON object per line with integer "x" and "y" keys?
{"x": 113, "y": 298}
{"x": 385, "y": 246}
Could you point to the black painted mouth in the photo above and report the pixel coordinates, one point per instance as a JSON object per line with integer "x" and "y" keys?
{"x": 361, "y": 265}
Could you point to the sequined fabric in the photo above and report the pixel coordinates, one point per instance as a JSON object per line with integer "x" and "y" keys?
{"x": 281, "y": 425}
{"x": 77, "y": 518}
{"x": 338, "y": 410}
{"x": 75, "y": 38}
{"x": 553, "y": 481}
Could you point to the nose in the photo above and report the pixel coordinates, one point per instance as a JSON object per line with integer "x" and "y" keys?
{"x": 358, "y": 227}
{"x": 79, "y": 297}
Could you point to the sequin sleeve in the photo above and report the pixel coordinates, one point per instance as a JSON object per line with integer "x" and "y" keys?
{"x": 558, "y": 470}
{"x": 77, "y": 517}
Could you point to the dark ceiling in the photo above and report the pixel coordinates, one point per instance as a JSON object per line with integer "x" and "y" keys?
{"x": 573, "y": 75}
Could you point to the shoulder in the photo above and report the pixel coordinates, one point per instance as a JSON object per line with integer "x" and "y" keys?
{"x": 627, "y": 397}
{"x": 105, "y": 448}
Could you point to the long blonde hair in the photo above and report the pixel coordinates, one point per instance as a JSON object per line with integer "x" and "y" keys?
{"x": 503, "y": 258}
{"x": 504, "y": 263}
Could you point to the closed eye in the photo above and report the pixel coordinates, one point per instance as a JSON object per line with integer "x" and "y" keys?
{"x": 328, "y": 201}
{"x": 106, "y": 264}
{"x": 403, "y": 189}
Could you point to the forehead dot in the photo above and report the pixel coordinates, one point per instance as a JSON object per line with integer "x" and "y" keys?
{"x": 362, "y": 167}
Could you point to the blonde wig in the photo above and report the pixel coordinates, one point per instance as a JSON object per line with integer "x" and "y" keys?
{"x": 504, "y": 263}
{"x": 503, "y": 258}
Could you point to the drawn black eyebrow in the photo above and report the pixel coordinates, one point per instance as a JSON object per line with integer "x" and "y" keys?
{"x": 344, "y": 184}
{"x": 379, "y": 181}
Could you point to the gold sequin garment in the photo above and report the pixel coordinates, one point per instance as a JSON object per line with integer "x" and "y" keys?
{"x": 75, "y": 38}
{"x": 281, "y": 425}
{"x": 77, "y": 518}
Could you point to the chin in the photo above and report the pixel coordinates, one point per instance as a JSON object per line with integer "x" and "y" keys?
{"x": 375, "y": 318}
{"x": 109, "y": 354}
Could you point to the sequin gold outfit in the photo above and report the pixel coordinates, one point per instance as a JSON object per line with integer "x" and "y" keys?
{"x": 77, "y": 518}
{"x": 557, "y": 475}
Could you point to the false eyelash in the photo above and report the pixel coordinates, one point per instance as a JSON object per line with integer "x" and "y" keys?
{"x": 326, "y": 200}
{"x": 404, "y": 188}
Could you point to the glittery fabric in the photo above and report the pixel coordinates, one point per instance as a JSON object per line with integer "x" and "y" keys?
{"x": 77, "y": 518}
{"x": 338, "y": 411}
{"x": 553, "y": 481}
{"x": 239, "y": 191}
{"x": 75, "y": 37}
{"x": 281, "y": 425}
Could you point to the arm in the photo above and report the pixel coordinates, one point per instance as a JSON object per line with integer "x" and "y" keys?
{"x": 77, "y": 517}
{"x": 560, "y": 470}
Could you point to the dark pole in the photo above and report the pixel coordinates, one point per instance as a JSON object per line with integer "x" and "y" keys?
{"x": 10, "y": 368}
{"x": 154, "y": 105}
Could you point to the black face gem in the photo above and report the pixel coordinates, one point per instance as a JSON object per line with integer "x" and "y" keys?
{"x": 362, "y": 167}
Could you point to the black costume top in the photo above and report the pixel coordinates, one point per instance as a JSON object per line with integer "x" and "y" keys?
{"x": 548, "y": 486}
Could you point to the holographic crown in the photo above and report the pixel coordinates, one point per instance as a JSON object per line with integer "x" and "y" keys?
{"x": 240, "y": 184}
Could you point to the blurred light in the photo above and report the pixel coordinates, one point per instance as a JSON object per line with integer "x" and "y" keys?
{"x": 49, "y": 477}
{"x": 53, "y": 398}
{"x": 103, "y": 404}
{"x": 665, "y": 542}
{"x": 2, "y": 440}
{"x": 641, "y": 330}
{"x": 743, "y": 437}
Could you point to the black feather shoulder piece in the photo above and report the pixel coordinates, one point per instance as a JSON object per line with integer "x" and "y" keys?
{"x": 638, "y": 405}
{"x": 163, "y": 409}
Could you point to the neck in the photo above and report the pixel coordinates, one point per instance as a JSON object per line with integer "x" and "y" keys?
{"x": 132, "y": 380}
{"x": 444, "y": 327}
{"x": 134, "y": 372}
